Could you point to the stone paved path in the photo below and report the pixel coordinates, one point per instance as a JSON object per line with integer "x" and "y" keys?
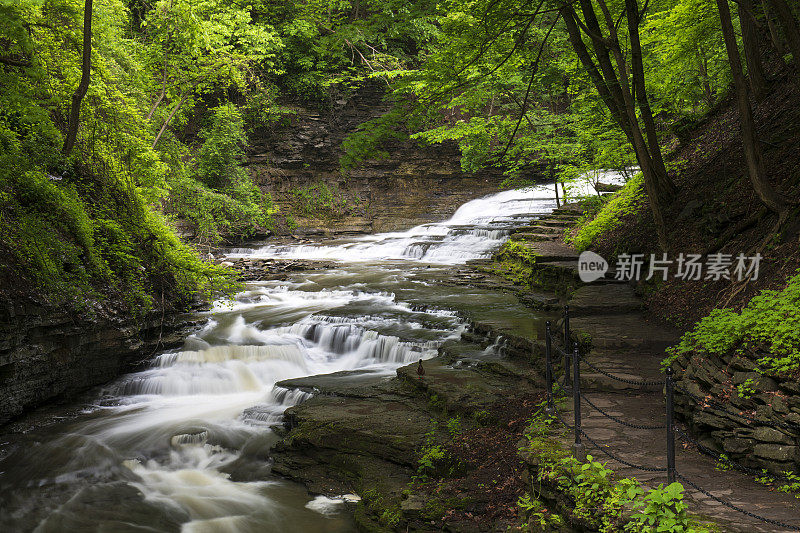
{"x": 625, "y": 344}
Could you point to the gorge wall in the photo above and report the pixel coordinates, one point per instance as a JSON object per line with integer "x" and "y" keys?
{"x": 50, "y": 355}
{"x": 414, "y": 185}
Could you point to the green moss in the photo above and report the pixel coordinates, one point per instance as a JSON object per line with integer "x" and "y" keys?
{"x": 610, "y": 216}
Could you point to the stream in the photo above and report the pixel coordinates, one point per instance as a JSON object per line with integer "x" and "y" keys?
{"x": 185, "y": 444}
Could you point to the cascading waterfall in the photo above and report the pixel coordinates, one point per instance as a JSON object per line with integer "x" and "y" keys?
{"x": 192, "y": 432}
{"x": 474, "y": 231}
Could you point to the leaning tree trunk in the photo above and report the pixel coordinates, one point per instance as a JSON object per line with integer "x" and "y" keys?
{"x": 750, "y": 41}
{"x": 791, "y": 29}
{"x": 83, "y": 86}
{"x": 621, "y": 103}
{"x": 752, "y": 150}
{"x": 664, "y": 186}
{"x": 773, "y": 30}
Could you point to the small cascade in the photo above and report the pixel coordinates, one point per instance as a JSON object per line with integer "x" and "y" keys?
{"x": 474, "y": 231}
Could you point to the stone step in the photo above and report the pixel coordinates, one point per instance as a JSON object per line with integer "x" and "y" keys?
{"x": 549, "y": 223}
{"x": 534, "y": 237}
{"x": 626, "y": 331}
{"x": 605, "y": 299}
{"x": 542, "y": 229}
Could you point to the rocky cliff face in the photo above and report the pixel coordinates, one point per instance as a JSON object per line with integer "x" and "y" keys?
{"x": 47, "y": 354}
{"x": 414, "y": 185}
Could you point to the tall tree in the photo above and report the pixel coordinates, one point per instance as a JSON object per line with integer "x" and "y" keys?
{"x": 622, "y": 93}
{"x": 791, "y": 28}
{"x": 751, "y": 45}
{"x": 773, "y": 29}
{"x": 83, "y": 86}
{"x": 752, "y": 149}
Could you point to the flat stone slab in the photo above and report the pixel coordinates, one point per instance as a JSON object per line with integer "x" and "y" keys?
{"x": 613, "y": 299}
{"x": 552, "y": 252}
{"x": 534, "y": 237}
{"x": 624, "y": 331}
{"x": 335, "y": 383}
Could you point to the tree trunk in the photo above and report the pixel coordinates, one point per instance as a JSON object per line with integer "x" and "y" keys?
{"x": 750, "y": 41}
{"x": 621, "y": 102}
{"x": 773, "y": 31}
{"x": 790, "y": 28}
{"x": 169, "y": 118}
{"x": 83, "y": 86}
{"x": 752, "y": 149}
{"x": 703, "y": 62}
{"x": 663, "y": 185}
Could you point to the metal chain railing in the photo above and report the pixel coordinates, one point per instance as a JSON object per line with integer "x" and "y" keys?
{"x": 638, "y": 382}
{"x": 572, "y": 374}
{"x": 619, "y": 420}
{"x": 730, "y": 505}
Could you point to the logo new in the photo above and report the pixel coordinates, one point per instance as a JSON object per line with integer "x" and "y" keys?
{"x": 591, "y": 266}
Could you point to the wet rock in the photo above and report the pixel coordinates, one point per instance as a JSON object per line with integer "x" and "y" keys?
{"x": 113, "y": 507}
{"x": 776, "y": 452}
{"x": 47, "y": 353}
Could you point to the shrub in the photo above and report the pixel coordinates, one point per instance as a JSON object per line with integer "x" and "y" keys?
{"x": 770, "y": 322}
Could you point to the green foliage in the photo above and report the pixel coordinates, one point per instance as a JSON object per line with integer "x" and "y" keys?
{"x": 454, "y": 426}
{"x": 239, "y": 211}
{"x": 221, "y": 200}
{"x": 320, "y": 200}
{"x": 623, "y": 203}
{"x": 388, "y": 513}
{"x": 662, "y": 509}
{"x": 537, "y": 516}
{"x": 745, "y": 390}
{"x": 83, "y": 228}
{"x": 433, "y": 461}
{"x": 767, "y": 324}
{"x": 598, "y": 498}
{"x": 368, "y": 140}
{"x": 219, "y": 160}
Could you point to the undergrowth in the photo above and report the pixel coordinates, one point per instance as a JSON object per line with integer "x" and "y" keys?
{"x": 597, "y": 498}
{"x": 769, "y": 325}
{"x": 622, "y": 203}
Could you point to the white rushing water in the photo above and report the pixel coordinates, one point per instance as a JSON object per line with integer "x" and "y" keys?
{"x": 474, "y": 231}
{"x": 192, "y": 432}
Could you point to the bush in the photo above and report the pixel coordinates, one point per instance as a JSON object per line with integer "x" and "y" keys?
{"x": 74, "y": 251}
{"x": 770, "y": 322}
{"x": 220, "y": 199}
{"x": 321, "y": 201}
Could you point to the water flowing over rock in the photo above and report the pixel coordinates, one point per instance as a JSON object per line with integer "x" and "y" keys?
{"x": 193, "y": 432}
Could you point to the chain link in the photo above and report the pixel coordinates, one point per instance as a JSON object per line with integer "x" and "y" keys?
{"x": 619, "y": 459}
{"x": 728, "y": 504}
{"x": 618, "y": 420}
{"x": 604, "y": 450}
{"x": 638, "y": 382}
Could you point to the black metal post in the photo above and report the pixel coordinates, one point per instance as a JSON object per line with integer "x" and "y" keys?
{"x": 567, "y": 344}
{"x": 548, "y": 368}
{"x": 670, "y": 428}
{"x": 578, "y": 450}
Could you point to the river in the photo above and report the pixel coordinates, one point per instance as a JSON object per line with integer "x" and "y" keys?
{"x": 185, "y": 444}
